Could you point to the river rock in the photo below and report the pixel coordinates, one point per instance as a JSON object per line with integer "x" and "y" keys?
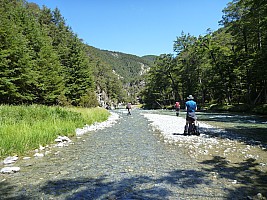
{"x": 8, "y": 170}
{"x": 10, "y": 160}
{"x": 62, "y": 139}
{"x": 38, "y": 155}
{"x": 61, "y": 144}
{"x": 41, "y": 147}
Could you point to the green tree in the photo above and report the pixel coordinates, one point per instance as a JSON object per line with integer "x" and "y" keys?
{"x": 78, "y": 74}
{"x": 161, "y": 88}
{"x": 246, "y": 21}
{"x": 187, "y": 62}
{"x": 16, "y": 58}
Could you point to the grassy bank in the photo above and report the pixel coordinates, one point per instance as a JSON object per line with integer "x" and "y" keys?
{"x": 24, "y": 128}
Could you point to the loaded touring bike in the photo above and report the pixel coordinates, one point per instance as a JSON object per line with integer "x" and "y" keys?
{"x": 192, "y": 128}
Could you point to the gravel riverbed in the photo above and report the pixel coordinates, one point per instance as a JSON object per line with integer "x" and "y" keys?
{"x": 142, "y": 156}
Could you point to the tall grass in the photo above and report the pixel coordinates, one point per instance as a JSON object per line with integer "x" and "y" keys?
{"x": 91, "y": 115}
{"x": 23, "y": 128}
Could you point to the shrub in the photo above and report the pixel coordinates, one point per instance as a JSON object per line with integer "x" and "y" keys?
{"x": 261, "y": 109}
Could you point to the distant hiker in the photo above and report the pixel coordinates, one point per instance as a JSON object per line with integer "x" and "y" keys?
{"x": 129, "y": 107}
{"x": 177, "y": 108}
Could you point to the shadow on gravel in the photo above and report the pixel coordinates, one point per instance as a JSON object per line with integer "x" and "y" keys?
{"x": 135, "y": 187}
{"x": 258, "y": 134}
{"x": 250, "y": 181}
{"x": 239, "y": 127}
{"x": 102, "y": 188}
{"x": 7, "y": 192}
{"x": 177, "y": 134}
{"x": 6, "y": 189}
{"x": 248, "y": 135}
{"x": 246, "y": 179}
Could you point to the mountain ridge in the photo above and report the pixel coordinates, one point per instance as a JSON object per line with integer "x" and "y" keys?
{"x": 129, "y": 69}
{"x": 126, "y": 65}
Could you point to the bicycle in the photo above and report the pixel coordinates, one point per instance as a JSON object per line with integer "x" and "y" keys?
{"x": 192, "y": 128}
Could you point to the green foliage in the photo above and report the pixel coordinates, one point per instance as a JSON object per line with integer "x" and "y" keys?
{"x": 41, "y": 58}
{"x": 246, "y": 21}
{"x": 150, "y": 58}
{"x": 20, "y": 133}
{"x": 92, "y": 115}
{"x": 227, "y": 66}
{"x": 42, "y": 61}
{"x": 125, "y": 65}
{"x": 63, "y": 101}
{"x": 162, "y": 82}
{"x": 16, "y": 57}
{"x": 258, "y": 109}
{"x": 89, "y": 100}
{"x": 119, "y": 75}
{"x": 231, "y": 108}
{"x": 261, "y": 109}
{"x": 78, "y": 75}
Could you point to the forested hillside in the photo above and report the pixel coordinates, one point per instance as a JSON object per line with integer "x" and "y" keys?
{"x": 129, "y": 69}
{"x": 42, "y": 61}
{"x": 226, "y": 66}
{"x": 125, "y": 65}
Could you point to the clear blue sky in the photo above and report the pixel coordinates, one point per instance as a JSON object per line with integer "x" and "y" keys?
{"x": 139, "y": 27}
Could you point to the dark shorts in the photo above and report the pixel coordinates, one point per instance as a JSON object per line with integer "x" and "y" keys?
{"x": 191, "y": 116}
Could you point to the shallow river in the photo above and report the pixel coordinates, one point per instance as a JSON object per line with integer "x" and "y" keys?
{"x": 130, "y": 161}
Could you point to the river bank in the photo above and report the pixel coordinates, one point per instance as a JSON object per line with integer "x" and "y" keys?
{"x": 26, "y": 127}
{"x": 241, "y": 160}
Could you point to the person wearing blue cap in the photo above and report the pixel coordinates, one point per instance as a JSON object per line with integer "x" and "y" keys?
{"x": 190, "y": 107}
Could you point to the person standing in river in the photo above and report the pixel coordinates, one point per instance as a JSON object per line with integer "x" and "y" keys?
{"x": 129, "y": 108}
{"x": 190, "y": 107}
{"x": 177, "y": 108}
